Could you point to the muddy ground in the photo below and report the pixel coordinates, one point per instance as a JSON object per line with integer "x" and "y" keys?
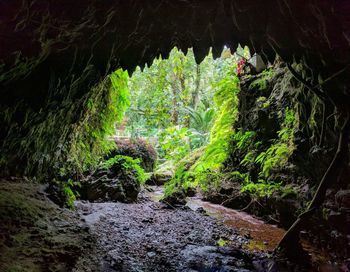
{"x": 37, "y": 235}
{"x": 147, "y": 236}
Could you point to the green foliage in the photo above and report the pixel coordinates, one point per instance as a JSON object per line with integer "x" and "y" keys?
{"x": 184, "y": 177}
{"x": 243, "y": 177}
{"x": 263, "y": 102}
{"x": 264, "y": 188}
{"x": 201, "y": 118}
{"x": 289, "y": 191}
{"x": 261, "y": 83}
{"x": 259, "y": 159}
{"x": 215, "y": 154}
{"x": 261, "y": 188}
{"x": 249, "y": 158}
{"x": 201, "y": 122}
{"x": 243, "y": 139}
{"x": 265, "y": 157}
{"x": 286, "y": 134}
{"x": 127, "y": 164}
{"x": 276, "y": 156}
{"x": 222, "y": 242}
{"x": 206, "y": 170}
{"x": 70, "y": 193}
{"x": 91, "y": 143}
{"x": 175, "y": 92}
{"x": 120, "y": 96}
{"x": 174, "y": 143}
{"x": 67, "y": 191}
{"x": 161, "y": 92}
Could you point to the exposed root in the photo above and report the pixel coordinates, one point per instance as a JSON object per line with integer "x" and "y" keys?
{"x": 291, "y": 236}
{"x": 251, "y": 203}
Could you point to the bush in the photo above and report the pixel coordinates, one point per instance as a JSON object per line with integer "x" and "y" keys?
{"x": 137, "y": 149}
{"x": 123, "y": 165}
{"x": 184, "y": 178}
{"x": 174, "y": 143}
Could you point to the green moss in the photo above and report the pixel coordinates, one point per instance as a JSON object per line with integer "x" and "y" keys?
{"x": 222, "y": 242}
{"x": 261, "y": 83}
{"x": 126, "y": 164}
{"x": 70, "y": 133}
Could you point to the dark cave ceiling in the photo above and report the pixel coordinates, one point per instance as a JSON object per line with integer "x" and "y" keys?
{"x": 65, "y": 36}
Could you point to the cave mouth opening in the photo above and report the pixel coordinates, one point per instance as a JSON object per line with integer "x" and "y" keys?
{"x": 178, "y": 107}
{"x": 286, "y": 156}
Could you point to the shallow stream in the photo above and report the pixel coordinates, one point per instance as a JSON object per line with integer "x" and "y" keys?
{"x": 264, "y": 237}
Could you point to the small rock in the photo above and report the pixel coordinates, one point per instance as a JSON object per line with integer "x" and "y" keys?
{"x": 343, "y": 199}
{"x": 151, "y": 254}
{"x": 147, "y": 220}
{"x": 201, "y": 210}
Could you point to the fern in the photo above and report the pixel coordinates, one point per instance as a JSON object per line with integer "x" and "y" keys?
{"x": 249, "y": 158}
{"x": 243, "y": 140}
{"x": 216, "y": 152}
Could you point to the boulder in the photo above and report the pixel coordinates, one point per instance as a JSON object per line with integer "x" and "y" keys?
{"x": 110, "y": 189}
{"x": 159, "y": 178}
{"x": 175, "y": 199}
{"x": 343, "y": 199}
{"x": 117, "y": 182}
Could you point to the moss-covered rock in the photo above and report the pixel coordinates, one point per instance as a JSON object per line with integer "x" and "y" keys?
{"x": 117, "y": 179}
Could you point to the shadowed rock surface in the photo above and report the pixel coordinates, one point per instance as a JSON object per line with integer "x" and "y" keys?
{"x": 37, "y": 235}
{"x": 105, "y": 185}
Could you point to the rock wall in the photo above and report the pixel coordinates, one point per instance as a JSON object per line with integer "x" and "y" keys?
{"x": 265, "y": 101}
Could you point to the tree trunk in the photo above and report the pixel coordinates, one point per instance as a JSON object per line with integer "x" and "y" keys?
{"x": 195, "y": 94}
{"x": 174, "y": 112}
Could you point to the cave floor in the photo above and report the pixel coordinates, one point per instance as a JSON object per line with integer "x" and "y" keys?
{"x": 148, "y": 236}
{"x": 37, "y": 235}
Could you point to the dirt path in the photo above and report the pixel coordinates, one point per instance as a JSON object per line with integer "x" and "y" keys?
{"x": 147, "y": 236}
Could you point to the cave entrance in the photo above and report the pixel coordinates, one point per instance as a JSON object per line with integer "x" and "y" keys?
{"x": 174, "y": 103}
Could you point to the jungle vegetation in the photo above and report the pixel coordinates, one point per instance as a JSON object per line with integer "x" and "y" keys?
{"x": 190, "y": 110}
